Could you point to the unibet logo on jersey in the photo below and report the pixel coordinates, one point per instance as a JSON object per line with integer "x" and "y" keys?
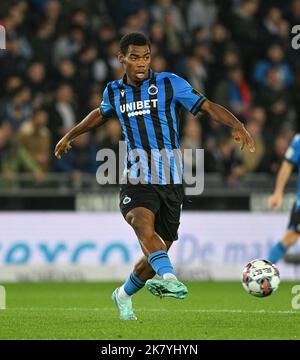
{"x": 141, "y": 107}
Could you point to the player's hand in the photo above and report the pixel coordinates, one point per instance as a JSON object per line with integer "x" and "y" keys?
{"x": 275, "y": 201}
{"x": 242, "y": 136}
{"x": 63, "y": 146}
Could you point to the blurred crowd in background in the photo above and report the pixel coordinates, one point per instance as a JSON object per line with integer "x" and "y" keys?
{"x": 61, "y": 54}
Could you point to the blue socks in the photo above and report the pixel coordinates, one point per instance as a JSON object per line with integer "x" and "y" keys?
{"x": 133, "y": 284}
{"x": 276, "y": 252}
{"x": 160, "y": 263}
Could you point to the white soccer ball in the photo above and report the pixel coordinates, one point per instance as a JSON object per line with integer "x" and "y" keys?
{"x": 260, "y": 278}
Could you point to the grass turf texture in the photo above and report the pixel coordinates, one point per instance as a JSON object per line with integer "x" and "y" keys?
{"x": 212, "y": 310}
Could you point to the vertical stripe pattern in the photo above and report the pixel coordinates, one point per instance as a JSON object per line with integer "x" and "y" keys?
{"x": 150, "y": 122}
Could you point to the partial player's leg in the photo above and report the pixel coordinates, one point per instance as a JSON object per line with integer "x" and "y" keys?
{"x": 142, "y": 268}
{"x": 159, "y": 287}
{"x": 132, "y": 197}
{"x": 140, "y": 205}
{"x": 167, "y": 221}
{"x": 278, "y": 251}
{"x": 135, "y": 282}
{"x": 155, "y": 261}
{"x": 143, "y": 222}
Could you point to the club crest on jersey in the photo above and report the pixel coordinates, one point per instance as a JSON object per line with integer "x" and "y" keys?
{"x": 152, "y": 90}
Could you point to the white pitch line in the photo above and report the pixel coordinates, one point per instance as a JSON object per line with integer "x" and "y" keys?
{"x": 209, "y": 311}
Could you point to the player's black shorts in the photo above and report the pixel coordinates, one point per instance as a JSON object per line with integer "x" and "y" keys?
{"x": 294, "y": 223}
{"x": 165, "y": 201}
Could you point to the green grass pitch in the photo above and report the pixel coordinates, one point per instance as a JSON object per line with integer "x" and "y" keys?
{"x": 212, "y": 310}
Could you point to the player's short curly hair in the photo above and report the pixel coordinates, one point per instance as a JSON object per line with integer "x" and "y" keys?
{"x": 134, "y": 38}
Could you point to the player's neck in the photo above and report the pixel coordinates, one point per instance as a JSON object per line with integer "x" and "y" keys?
{"x": 132, "y": 82}
{"x": 135, "y": 83}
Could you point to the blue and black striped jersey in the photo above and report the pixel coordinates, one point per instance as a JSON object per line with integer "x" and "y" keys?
{"x": 149, "y": 114}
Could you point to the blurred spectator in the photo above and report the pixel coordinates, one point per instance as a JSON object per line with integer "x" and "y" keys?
{"x": 159, "y": 63}
{"x": 203, "y": 53}
{"x": 17, "y": 109}
{"x": 191, "y": 139}
{"x": 80, "y": 18}
{"x": 259, "y": 115}
{"x": 201, "y": 13}
{"x": 85, "y": 75}
{"x": 200, "y": 35}
{"x": 231, "y": 59}
{"x": 174, "y": 40}
{"x": 158, "y": 36}
{"x": 252, "y": 161}
{"x": 13, "y": 26}
{"x": 245, "y": 30}
{"x": 109, "y": 138}
{"x": 132, "y": 24}
{"x": 295, "y": 12}
{"x": 271, "y": 23}
{"x": 66, "y": 73}
{"x": 112, "y": 61}
{"x": 281, "y": 144}
{"x": 12, "y": 83}
{"x": 196, "y": 73}
{"x": 36, "y": 80}
{"x": 295, "y": 91}
{"x": 223, "y": 56}
{"x": 274, "y": 58}
{"x": 43, "y": 42}
{"x": 69, "y": 45}
{"x": 275, "y": 99}
{"x": 112, "y": 135}
{"x": 12, "y": 61}
{"x": 220, "y": 41}
{"x": 225, "y": 160}
{"x": 36, "y": 139}
{"x": 82, "y": 158}
{"x": 121, "y": 9}
{"x": 166, "y": 11}
{"x": 104, "y": 36}
{"x": 52, "y": 11}
{"x": 93, "y": 102}
{"x": 284, "y": 34}
{"x": 234, "y": 93}
{"x": 14, "y": 159}
{"x": 62, "y": 112}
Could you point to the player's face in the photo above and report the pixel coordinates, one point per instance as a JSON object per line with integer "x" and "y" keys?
{"x": 136, "y": 62}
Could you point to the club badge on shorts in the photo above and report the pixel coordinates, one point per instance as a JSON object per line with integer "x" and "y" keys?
{"x": 152, "y": 90}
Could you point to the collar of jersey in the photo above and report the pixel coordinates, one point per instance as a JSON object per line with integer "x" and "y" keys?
{"x": 123, "y": 81}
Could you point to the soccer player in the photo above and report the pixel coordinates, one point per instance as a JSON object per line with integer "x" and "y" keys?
{"x": 148, "y": 106}
{"x": 291, "y": 158}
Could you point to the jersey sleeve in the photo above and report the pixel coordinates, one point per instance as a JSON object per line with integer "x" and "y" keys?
{"x": 189, "y": 98}
{"x": 106, "y": 107}
{"x": 292, "y": 154}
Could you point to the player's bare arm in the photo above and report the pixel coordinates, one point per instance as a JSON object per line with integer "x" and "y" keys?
{"x": 284, "y": 173}
{"x": 223, "y": 116}
{"x": 92, "y": 121}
